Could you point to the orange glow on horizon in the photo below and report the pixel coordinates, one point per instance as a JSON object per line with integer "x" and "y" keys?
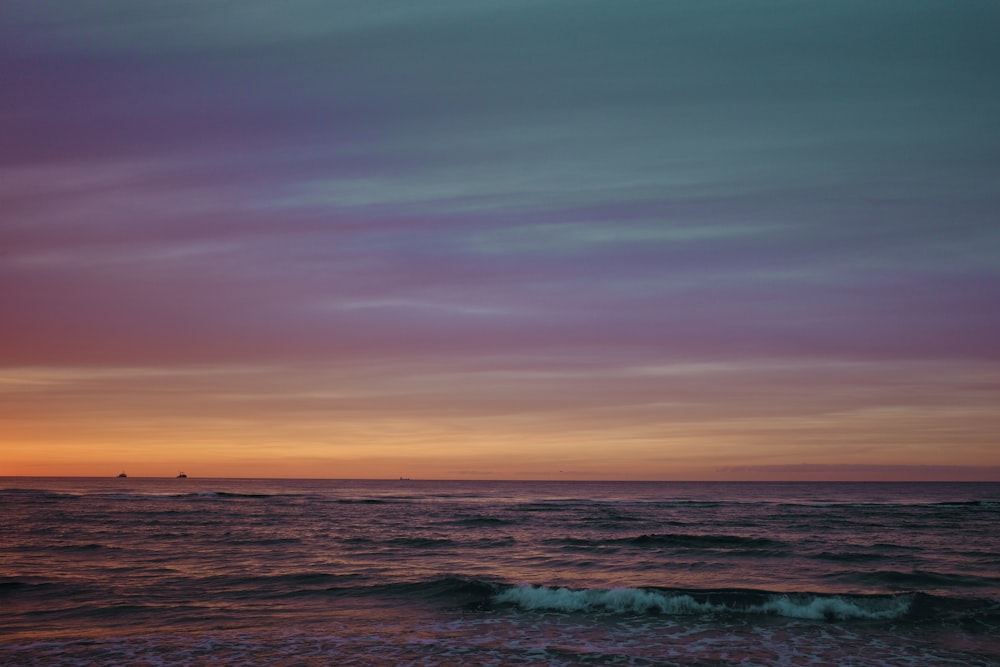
{"x": 433, "y": 422}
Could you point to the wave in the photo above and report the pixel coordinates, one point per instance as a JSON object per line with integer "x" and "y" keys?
{"x": 476, "y": 594}
{"x": 17, "y": 586}
{"x": 227, "y": 494}
{"x": 851, "y": 556}
{"x": 230, "y": 494}
{"x": 475, "y": 521}
{"x": 694, "y": 503}
{"x": 969, "y": 503}
{"x": 364, "y": 501}
{"x": 679, "y": 540}
{"x": 90, "y": 546}
{"x": 260, "y": 541}
{"x": 39, "y": 589}
{"x": 918, "y": 579}
{"x": 975, "y": 615}
{"x": 880, "y": 506}
{"x": 278, "y": 585}
{"x": 196, "y": 495}
{"x": 704, "y": 541}
{"x": 35, "y": 494}
{"x": 487, "y": 595}
{"x": 811, "y": 606}
{"x": 972, "y": 614}
{"x": 543, "y": 506}
{"x": 417, "y": 542}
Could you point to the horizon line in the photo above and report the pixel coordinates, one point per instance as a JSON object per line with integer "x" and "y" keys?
{"x": 534, "y": 480}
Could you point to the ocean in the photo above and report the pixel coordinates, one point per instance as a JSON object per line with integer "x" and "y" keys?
{"x": 347, "y": 572}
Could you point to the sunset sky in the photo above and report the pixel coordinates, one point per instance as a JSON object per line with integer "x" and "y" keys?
{"x": 501, "y": 239}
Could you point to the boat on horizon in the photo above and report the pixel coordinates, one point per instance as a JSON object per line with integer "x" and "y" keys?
{"x": 122, "y": 474}
{"x": 181, "y": 475}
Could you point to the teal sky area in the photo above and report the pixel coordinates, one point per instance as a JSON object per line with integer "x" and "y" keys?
{"x": 507, "y": 239}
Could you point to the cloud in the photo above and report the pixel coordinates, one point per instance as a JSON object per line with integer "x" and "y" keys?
{"x": 662, "y": 222}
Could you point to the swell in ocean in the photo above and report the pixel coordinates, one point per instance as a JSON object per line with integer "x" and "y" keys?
{"x": 453, "y": 592}
{"x": 346, "y": 572}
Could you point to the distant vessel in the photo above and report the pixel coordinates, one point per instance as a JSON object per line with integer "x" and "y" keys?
{"x": 181, "y": 476}
{"x": 122, "y": 474}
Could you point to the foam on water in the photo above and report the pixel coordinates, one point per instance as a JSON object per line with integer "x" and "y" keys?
{"x": 621, "y": 600}
{"x": 834, "y": 607}
{"x": 644, "y": 601}
{"x": 301, "y": 572}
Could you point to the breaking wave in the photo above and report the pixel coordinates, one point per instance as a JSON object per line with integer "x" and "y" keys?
{"x": 648, "y": 601}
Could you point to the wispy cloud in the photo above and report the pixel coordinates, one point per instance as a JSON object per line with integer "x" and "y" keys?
{"x": 673, "y": 226}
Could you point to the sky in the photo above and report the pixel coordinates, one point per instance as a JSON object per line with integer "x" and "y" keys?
{"x": 709, "y": 240}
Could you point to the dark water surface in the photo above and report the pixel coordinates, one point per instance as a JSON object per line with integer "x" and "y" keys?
{"x": 309, "y": 572}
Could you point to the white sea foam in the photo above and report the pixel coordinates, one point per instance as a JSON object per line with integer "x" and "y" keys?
{"x": 637, "y": 600}
{"x": 621, "y": 600}
{"x": 833, "y": 607}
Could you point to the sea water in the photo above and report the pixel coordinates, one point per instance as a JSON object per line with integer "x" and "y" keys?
{"x": 345, "y": 572}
